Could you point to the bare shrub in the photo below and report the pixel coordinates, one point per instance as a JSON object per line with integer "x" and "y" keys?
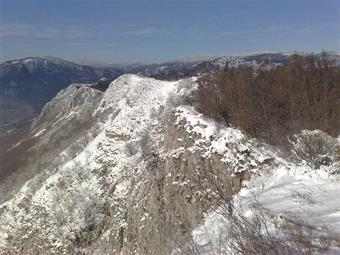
{"x": 272, "y": 103}
{"x": 243, "y": 235}
{"x": 250, "y": 235}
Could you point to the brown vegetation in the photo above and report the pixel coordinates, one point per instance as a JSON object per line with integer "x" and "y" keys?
{"x": 271, "y": 103}
{"x": 14, "y": 151}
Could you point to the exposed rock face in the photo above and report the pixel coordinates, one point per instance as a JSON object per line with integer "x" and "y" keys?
{"x": 172, "y": 194}
{"x": 184, "y": 180}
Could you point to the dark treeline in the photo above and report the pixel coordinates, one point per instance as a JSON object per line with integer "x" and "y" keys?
{"x": 271, "y": 103}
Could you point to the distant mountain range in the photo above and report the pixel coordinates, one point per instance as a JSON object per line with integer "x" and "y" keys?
{"x": 27, "y": 84}
{"x": 36, "y": 80}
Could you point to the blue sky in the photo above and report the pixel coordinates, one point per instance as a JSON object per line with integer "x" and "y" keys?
{"x": 157, "y": 30}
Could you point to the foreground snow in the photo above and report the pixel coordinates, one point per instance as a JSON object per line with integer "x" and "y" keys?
{"x": 289, "y": 192}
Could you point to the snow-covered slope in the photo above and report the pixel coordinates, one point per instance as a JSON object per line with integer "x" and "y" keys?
{"x": 89, "y": 171}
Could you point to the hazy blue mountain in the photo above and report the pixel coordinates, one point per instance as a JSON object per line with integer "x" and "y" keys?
{"x": 36, "y": 80}
{"x": 27, "y": 84}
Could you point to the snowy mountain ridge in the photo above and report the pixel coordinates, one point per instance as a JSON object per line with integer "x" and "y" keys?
{"x": 136, "y": 170}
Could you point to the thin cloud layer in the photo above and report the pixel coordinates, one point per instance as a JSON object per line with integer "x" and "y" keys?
{"x": 68, "y": 32}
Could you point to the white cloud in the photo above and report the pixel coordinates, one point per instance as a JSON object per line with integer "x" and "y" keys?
{"x": 40, "y": 31}
{"x": 269, "y": 29}
{"x": 71, "y": 31}
{"x": 275, "y": 30}
{"x": 143, "y": 31}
